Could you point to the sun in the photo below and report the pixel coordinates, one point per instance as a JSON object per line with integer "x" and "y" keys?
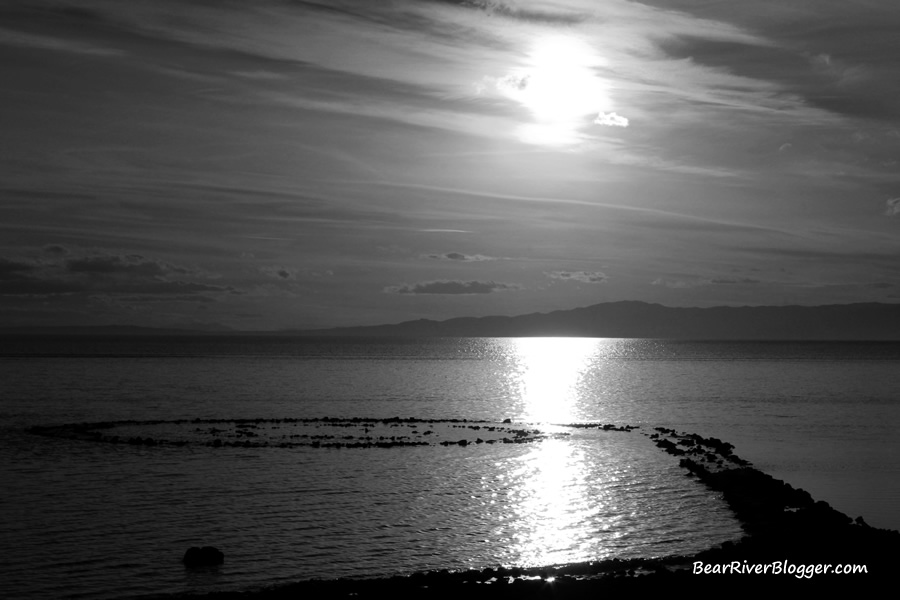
{"x": 559, "y": 86}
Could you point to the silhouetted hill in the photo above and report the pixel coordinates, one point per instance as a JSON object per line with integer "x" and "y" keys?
{"x": 631, "y": 319}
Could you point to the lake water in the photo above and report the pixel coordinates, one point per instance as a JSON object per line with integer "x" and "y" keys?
{"x": 98, "y": 520}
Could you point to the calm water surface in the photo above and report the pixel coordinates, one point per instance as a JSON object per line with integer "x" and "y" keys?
{"x": 100, "y": 520}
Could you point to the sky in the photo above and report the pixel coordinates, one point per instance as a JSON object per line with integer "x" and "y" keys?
{"x": 287, "y": 164}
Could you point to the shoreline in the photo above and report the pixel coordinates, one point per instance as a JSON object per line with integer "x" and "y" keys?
{"x": 791, "y": 542}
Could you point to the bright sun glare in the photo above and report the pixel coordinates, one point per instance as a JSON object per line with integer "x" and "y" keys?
{"x": 560, "y": 88}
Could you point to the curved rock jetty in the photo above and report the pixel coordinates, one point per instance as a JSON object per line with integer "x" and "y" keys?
{"x": 778, "y": 518}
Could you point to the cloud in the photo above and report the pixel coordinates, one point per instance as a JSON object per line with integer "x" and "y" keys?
{"x": 45, "y": 42}
{"x": 677, "y": 284}
{"x": 732, "y": 280}
{"x": 147, "y": 299}
{"x": 99, "y": 273}
{"x": 892, "y": 207}
{"x": 170, "y": 287}
{"x": 56, "y": 249}
{"x": 460, "y": 257}
{"x": 611, "y": 119}
{"x": 128, "y": 264}
{"x": 858, "y": 84}
{"x": 13, "y": 269}
{"x": 580, "y": 276}
{"x": 39, "y": 287}
{"x": 681, "y": 284}
{"x": 513, "y": 83}
{"x": 452, "y": 287}
{"x": 510, "y": 11}
{"x": 874, "y": 285}
{"x": 277, "y": 272}
{"x": 18, "y": 278}
{"x": 133, "y": 264}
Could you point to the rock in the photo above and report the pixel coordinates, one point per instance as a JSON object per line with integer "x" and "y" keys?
{"x": 207, "y": 556}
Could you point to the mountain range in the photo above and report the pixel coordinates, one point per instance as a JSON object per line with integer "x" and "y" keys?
{"x": 632, "y": 319}
{"x": 627, "y": 319}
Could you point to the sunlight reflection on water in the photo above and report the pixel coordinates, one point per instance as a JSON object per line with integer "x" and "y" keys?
{"x": 546, "y": 375}
{"x": 554, "y": 502}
